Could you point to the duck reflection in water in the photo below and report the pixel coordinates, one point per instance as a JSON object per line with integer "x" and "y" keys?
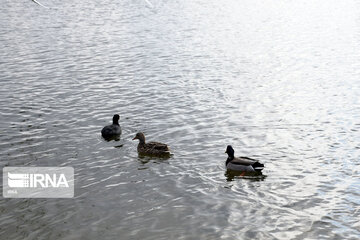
{"x": 252, "y": 176}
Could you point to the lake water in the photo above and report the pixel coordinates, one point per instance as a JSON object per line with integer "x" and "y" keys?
{"x": 278, "y": 80}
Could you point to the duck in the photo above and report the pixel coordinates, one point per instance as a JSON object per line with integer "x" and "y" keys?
{"x": 151, "y": 148}
{"x": 243, "y": 164}
{"x": 113, "y": 130}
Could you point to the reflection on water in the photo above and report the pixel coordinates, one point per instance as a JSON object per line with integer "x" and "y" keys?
{"x": 253, "y": 176}
{"x": 279, "y": 81}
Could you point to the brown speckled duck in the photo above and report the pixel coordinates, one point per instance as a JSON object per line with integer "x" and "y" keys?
{"x": 151, "y": 148}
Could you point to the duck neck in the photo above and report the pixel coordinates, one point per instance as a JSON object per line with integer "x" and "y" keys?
{"x": 229, "y": 159}
{"x": 115, "y": 122}
{"x": 141, "y": 141}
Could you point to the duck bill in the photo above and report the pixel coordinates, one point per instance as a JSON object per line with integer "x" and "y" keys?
{"x": 134, "y": 138}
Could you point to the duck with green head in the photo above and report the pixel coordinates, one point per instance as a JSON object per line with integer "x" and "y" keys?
{"x": 244, "y": 164}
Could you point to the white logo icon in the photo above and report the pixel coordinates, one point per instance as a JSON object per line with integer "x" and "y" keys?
{"x": 36, "y": 180}
{"x": 18, "y": 180}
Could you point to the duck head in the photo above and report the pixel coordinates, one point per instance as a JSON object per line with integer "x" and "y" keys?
{"x": 230, "y": 151}
{"x": 116, "y": 118}
{"x": 140, "y": 136}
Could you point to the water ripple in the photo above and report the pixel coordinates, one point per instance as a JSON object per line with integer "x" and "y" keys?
{"x": 278, "y": 82}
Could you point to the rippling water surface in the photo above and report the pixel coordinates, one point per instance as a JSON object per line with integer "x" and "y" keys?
{"x": 278, "y": 80}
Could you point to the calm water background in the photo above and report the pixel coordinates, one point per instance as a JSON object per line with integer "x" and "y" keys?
{"x": 279, "y": 80}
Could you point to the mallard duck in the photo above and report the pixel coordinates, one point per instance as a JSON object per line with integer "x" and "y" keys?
{"x": 113, "y": 130}
{"x": 151, "y": 148}
{"x": 241, "y": 163}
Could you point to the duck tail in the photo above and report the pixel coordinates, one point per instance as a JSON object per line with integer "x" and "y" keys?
{"x": 258, "y": 166}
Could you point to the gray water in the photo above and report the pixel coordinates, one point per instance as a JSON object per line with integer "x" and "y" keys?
{"x": 278, "y": 80}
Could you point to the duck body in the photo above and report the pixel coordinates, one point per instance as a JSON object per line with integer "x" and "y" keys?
{"x": 113, "y": 130}
{"x": 243, "y": 164}
{"x": 151, "y": 148}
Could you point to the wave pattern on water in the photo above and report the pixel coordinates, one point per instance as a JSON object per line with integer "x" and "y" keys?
{"x": 279, "y": 82}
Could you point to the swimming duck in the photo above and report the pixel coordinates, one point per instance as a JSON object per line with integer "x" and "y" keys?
{"x": 151, "y": 148}
{"x": 113, "y": 130}
{"x": 241, "y": 163}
